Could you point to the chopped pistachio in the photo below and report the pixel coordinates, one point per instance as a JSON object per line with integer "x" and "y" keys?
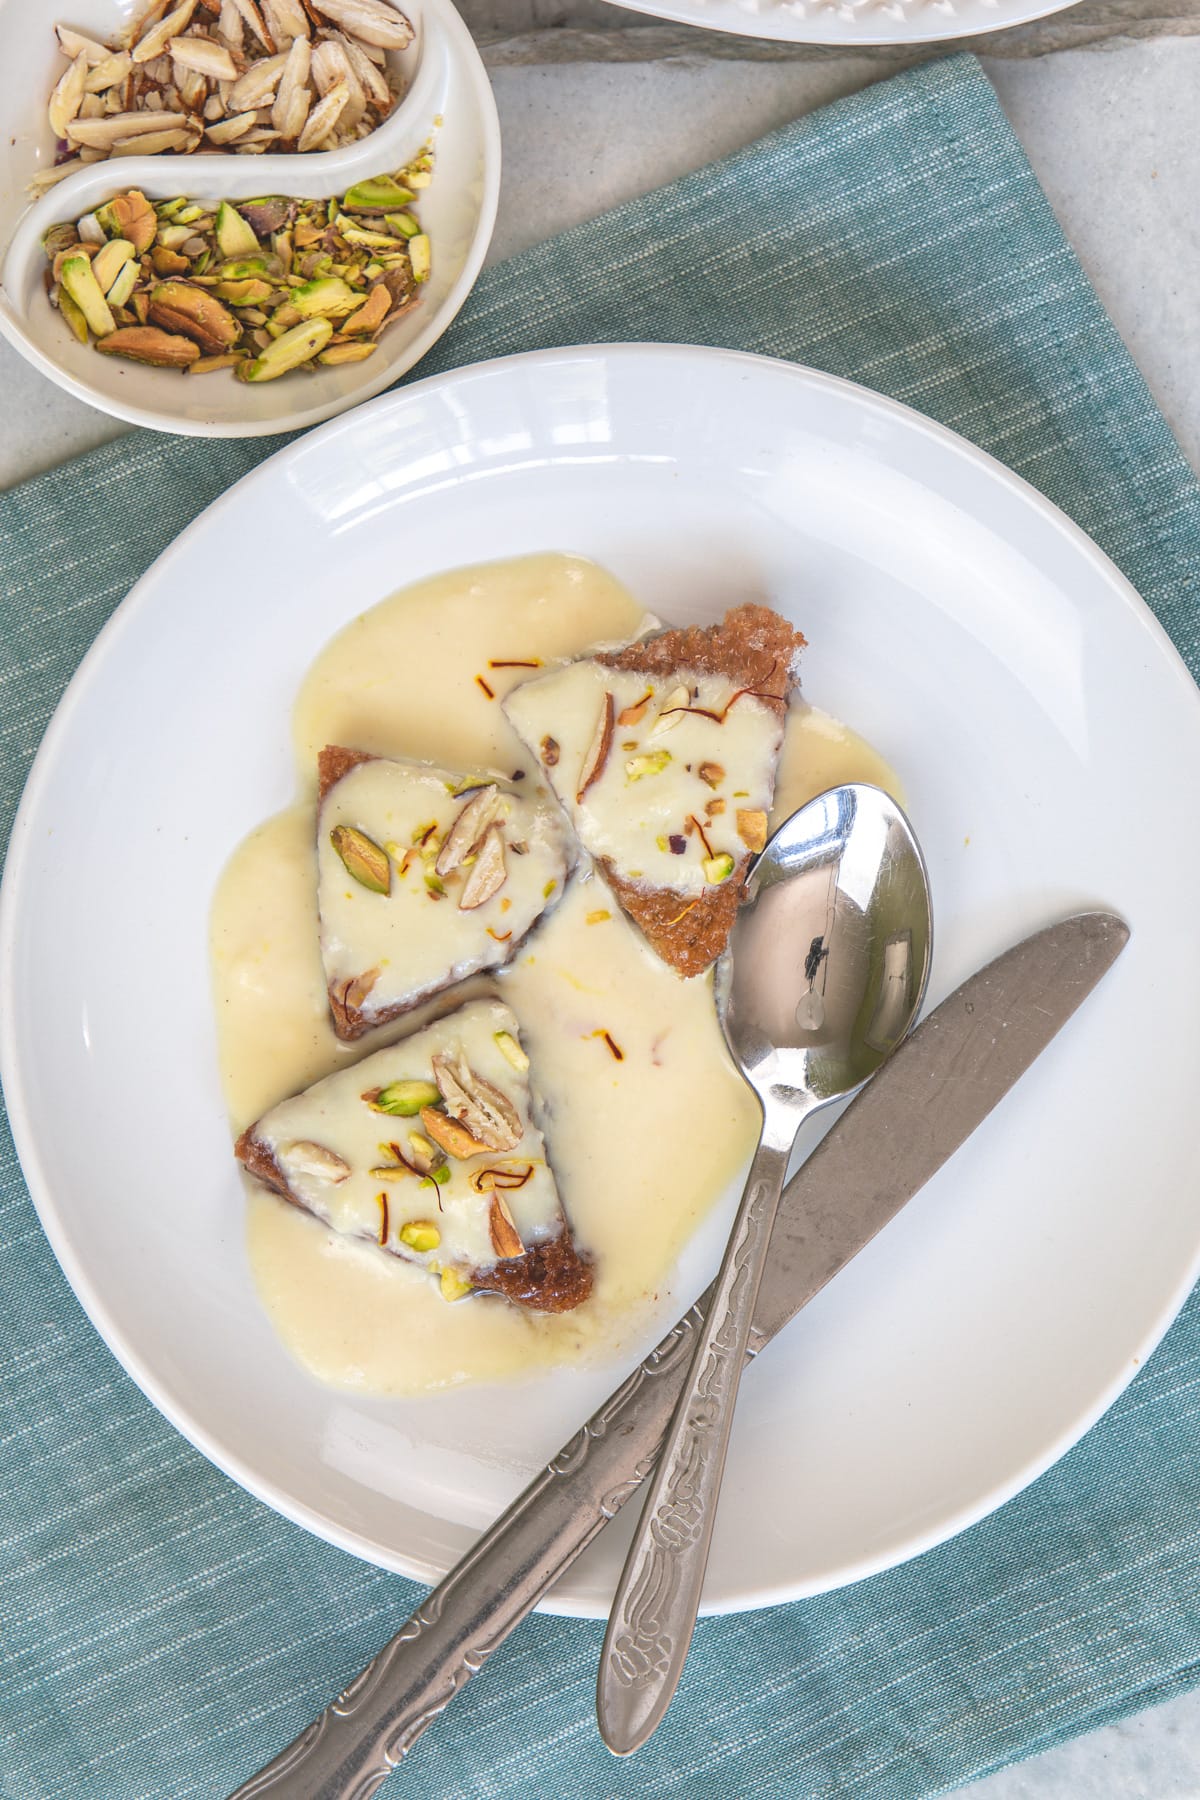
{"x": 420, "y": 1234}
{"x": 718, "y": 868}
{"x": 363, "y": 858}
{"x": 509, "y": 1048}
{"x": 79, "y": 282}
{"x": 651, "y": 762}
{"x": 453, "y": 1286}
{"x": 403, "y": 1099}
{"x": 420, "y": 256}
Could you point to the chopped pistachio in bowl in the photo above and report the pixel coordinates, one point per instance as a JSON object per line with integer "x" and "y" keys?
{"x": 271, "y": 287}
{"x": 447, "y": 109}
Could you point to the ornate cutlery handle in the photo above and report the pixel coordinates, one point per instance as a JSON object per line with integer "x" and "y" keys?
{"x": 658, "y": 1596}
{"x": 348, "y": 1751}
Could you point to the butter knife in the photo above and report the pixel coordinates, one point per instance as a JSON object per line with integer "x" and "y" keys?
{"x": 925, "y": 1101}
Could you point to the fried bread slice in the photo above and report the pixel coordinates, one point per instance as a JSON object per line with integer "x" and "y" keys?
{"x": 424, "y": 877}
{"x": 431, "y": 1151}
{"x": 664, "y": 755}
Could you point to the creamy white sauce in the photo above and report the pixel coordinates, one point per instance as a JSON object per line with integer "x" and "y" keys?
{"x": 414, "y": 938}
{"x": 642, "y": 1146}
{"x": 678, "y": 790}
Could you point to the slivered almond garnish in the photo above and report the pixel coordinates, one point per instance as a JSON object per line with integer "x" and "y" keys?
{"x": 711, "y": 774}
{"x": 487, "y": 1114}
{"x": 506, "y": 1239}
{"x": 305, "y": 1158}
{"x": 354, "y": 992}
{"x": 454, "y": 1138}
{"x": 672, "y": 710}
{"x": 597, "y": 753}
{"x": 489, "y": 873}
{"x": 630, "y": 715}
{"x": 466, "y": 834}
{"x": 752, "y": 828}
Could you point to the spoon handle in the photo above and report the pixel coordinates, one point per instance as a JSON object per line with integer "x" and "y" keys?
{"x": 658, "y": 1596}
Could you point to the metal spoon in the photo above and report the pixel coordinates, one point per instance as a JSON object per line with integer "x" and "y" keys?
{"x": 825, "y": 972}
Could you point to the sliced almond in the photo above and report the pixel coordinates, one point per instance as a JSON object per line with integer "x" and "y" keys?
{"x": 307, "y": 1158}
{"x": 229, "y": 130}
{"x": 108, "y": 73}
{"x": 205, "y": 57}
{"x": 487, "y": 1114}
{"x": 102, "y": 134}
{"x": 152, "y": 143}
{"x": 597, "y": 752}
{"x": 257, "y": 86}
{"x": 752, "y": 828}
{"x": 254, "y": 19}
{"x": 323, "y": 117}
{"x": 453, "y": 1137}
{"x": 73, "y": 44}
{"x": 671, "y": 712}
{"x": 711, "y": 774}
{"x": 506, "y": 1239}
{"x": 330, "y": 64}
{"x": 67, "y": 97}
{"x": 154, "y": 41}
{"x": 354, "y": 992}
{"x": 372, "y": 81}
{"x": 371, "y": 22}
{"x": 489, "y": 872}
{"x": 286, "y": 20}
{"x": 466, "y": 833}
{"x": 290, "y": 111}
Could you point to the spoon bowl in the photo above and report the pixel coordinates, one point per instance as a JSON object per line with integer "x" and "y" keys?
{"x": 829, "y": 957}
{"x": 825, "y": 973}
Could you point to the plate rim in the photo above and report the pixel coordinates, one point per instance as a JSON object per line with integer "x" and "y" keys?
{"x": 19, "y": 1104}
{"x": 752, "y": 25}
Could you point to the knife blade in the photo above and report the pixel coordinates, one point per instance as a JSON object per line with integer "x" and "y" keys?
{"x": 926, "y": 1100}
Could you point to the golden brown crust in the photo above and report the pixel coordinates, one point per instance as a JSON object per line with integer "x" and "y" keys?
{"x": 687, "y": 932}
{"x": 756, "y": 650}
{"x": 549, "y": 1277}
{"x": 335, "y": 761}
{"x": 751, "y": 646}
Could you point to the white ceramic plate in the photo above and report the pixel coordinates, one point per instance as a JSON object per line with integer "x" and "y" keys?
{"x": 851, "y": 22}
{"x": 963, "y": 625}
{"x": 447, "y": 100}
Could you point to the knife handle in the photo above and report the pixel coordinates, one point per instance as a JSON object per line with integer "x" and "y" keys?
{"x": 364, "y": 1734}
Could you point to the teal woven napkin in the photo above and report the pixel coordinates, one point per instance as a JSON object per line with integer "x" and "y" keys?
{"x": 163, "y": 1631}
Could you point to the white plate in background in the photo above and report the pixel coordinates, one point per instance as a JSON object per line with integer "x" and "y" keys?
{"x": 1032, "y": 707}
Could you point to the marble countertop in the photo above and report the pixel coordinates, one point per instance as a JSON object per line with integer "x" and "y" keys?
{"x": 597, "y": 106}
